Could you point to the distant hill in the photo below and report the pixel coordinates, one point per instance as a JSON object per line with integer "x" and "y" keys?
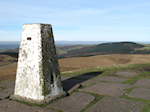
{"x": 107, "y": 48}
{"x": 15, "y": 44}
{"x": 6, "y": 45}
{"x": 96, "y": 49}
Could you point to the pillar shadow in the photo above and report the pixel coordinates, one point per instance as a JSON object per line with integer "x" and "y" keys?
{"x": 69, "y": 83}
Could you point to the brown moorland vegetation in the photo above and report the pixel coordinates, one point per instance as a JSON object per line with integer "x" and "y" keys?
{"x": 8, "y": 71}
{"x": 5, "y": 59}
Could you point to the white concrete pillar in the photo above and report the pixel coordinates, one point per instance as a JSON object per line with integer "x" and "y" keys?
{"x": 38, "y": 77}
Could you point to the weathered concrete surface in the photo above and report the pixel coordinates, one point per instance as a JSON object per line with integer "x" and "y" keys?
{"x": 73, "y": 88}
{"x": 142, "y": 93}
{"x": 111, "y": 79}
{"x": 14, "y": 106}
{"x": 110, "y": 104}
{"x": 88, "y": 82}
{"x": 111, "y": 89}
{"x": 6, "y": 93}
{"x": 126, "y": 73}
{"x": 74, "y": 103}
{"x": 38, "y": 76}
{"x": 143, "y": 83}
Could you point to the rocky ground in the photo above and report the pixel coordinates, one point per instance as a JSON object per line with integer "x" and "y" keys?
{"x": 89, "y": 93}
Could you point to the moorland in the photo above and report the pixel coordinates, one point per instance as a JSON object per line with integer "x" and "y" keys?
{"x": 72, "y": 57}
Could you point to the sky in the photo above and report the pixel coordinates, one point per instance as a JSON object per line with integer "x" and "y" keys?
{"x": 78, "y": 20}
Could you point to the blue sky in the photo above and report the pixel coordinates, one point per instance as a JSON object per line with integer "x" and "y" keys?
{"x": 78, "y": 20}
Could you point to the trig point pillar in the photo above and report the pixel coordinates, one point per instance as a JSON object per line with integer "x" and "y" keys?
{"x": 38, "y": 77}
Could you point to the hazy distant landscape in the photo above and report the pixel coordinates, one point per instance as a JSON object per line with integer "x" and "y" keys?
{"x": 66, "y": 49}
{"x": 102, "y": 49}
{"x": 15, "y": 44}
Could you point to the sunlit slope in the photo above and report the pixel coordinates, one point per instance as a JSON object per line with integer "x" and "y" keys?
{"x": 106, "y": 48}
{"x": 67, "y": 64}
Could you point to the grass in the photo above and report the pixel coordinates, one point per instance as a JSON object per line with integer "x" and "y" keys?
{"x": 147, "y": 47}
{"x": 3, "y": 88}
{"x": 145, "y": 74}
{"x": 132, "y": 80}
{"x": 112, "y": 68}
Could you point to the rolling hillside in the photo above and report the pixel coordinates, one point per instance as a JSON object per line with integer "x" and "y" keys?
{"x": 8, "y": 67}
{"x": 107, "y": 48}
{"x": 92, "y": 50}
